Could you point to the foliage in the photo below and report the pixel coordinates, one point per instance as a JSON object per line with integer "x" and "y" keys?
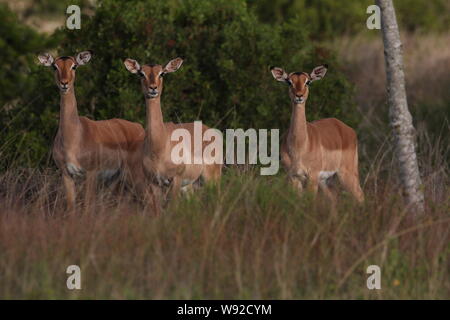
{"x": 49, "y": 9}
{"x": 17, "y": 42}
{"x": 20, "y": 97}
{"x": 224, "y": 81}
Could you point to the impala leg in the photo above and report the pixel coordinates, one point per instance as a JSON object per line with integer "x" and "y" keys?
{"x": 175, "y": 188}
{"x": 188, "y": 190}
{"x": 350, "y": 182}
{"x": 211, "y": 175}
{"x": 149, "y": 193}
{"x": 90, "y": 189}
{"x": 328, "y": 192}
{"x": 296, "y": 183}
{"x": 69, "y": 186}
{"x": 313, "y": 185}
{"x": 153, "y": 196}
{"x": 117, "y": 185}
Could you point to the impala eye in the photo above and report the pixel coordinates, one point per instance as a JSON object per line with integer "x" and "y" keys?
{"x": 162, "y": 74}
{"x": 308, "y": 82}
{"x": 289, "y": 82}
{"x": 54, "y": 67}
{"x": 141, "y": 74}
{"x": 74, "y": 67}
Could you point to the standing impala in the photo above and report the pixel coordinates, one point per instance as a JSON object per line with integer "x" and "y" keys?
{"x": 313, "y": 152}
{"x": 157, "y": 149}
{"x": 83, "y": 146}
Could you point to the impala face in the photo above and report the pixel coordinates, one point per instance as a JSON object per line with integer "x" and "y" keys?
{"x": 152, "y": 75}
{"x": 298, "y": 87}
{"x": 299, "y": 82}
{"x": 65, "y": 68}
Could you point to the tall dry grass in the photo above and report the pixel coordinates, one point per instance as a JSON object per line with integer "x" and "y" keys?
{"x": 427, "y": 74}
{"x": 252, "y": 238}
{"x": 426, "y": 65}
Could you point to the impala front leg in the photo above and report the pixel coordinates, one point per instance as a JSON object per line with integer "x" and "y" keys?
{"x": 313, "y": 185}
{"x": 69, "y": 186}
{"x": 296, "y": 182}
{"x": 175, "y": 187}
{"x": 152, "y": 196}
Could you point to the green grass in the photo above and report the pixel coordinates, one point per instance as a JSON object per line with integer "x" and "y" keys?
{"x": 252, "y": 238}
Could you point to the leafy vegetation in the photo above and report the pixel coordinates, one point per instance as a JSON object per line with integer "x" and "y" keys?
{"x": 21, "y": 101}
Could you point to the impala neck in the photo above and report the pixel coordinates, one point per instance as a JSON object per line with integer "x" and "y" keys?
{"x": 298, "y": 134}
{"x": 156, "y": 131}
{"x": 69, "y": 122}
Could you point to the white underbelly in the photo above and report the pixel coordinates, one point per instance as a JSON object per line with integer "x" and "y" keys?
{"x": 186, "y": 182}
{"x": 77, "y": 171}
{"x": 325, "y": 175}
{"x": 107, "y": 174}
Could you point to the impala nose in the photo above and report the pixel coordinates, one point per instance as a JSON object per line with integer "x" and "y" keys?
{"x": 299, "y": 98}
{"x": 152, "y": 92}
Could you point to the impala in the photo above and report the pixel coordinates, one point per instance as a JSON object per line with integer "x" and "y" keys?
{"x": 313, "y": 152}
{"x": 157, "y": 147}
{"x": 83, "y": 147}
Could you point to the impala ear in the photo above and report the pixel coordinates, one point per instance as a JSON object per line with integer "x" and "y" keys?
{"x": 173, "y": 65}
{"x": 318, "y": 72}
{"x": 83, "y": 57}
{"x": 279, "y": 74}
{"x": 132, "y": 65}
{"x": 46, "y": 59}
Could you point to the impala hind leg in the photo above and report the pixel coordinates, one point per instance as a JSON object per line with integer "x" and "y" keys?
{"x": 296, "y": 183}
{"x": 328, "y": 192}
{"x": 89, "y": 196}
{"x": 350, "y": 182}
{"x": 175, "y": 188}
{"x": 313, "y": 185}
{"x": 188, "y": 190}
{"x": 69, "y": 186}
{"x": 153, "y": 196}
{"x": 212, "y": 174}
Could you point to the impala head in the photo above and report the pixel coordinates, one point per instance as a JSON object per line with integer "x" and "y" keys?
{"x": 65, "y": 68}
{"x": 152, "y": 75}
{"x": 299, "y": 81}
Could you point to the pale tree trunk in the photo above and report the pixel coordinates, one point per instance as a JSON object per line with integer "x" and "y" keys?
{"x": 399, "y": 115}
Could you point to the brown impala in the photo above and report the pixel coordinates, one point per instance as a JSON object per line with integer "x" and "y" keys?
{"x": 83, "y": 146}
{"x": 157, "y": 149}
{"x": 313, "y": 152}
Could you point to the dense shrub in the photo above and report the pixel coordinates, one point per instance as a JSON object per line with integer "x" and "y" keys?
{"x": 224, "y": 81}
{"x": 17, "y": 46}
{"x": 21, "y": 104}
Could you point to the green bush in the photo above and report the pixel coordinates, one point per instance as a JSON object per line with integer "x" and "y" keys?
{"x": 17, "y": 46}
{"x": 22, "y": 132}
{"x": 224, "y": 81}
